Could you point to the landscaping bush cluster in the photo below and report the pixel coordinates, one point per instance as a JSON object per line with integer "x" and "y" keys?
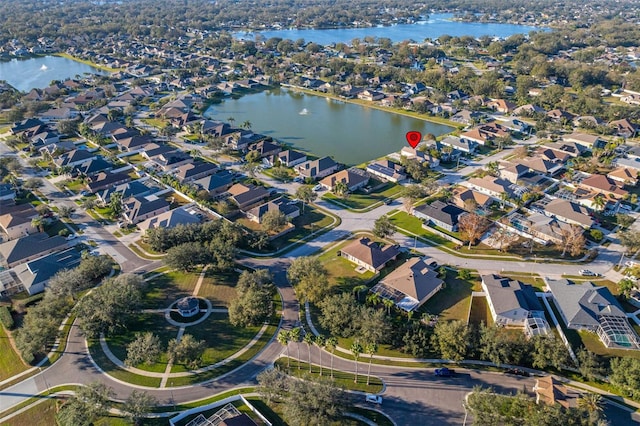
{"x": 5, "y": 317}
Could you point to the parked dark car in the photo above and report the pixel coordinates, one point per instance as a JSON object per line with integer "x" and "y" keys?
{"x": 445, "y": 372}
{"x": 518, "y": 372}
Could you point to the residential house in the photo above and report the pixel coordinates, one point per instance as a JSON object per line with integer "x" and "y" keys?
{"x": 104, "y": 180}
{"x": 469, "y": 199}
{"x": 317, "y": 169}
{"x": 92, "y": 166}
{"x": 604, "y": 185}
{"x": 286, "y": 207}
{"x": 485, "y": 133}
{"x": 513, "y": 172}
{"x": 15, "y": 220}
{"x": 420, "y": 156}
{"x": 571, "y": 148}
{"x": 587, "y": 307}
{"x": 196, "y": 170}
{"x": 387, "y": 170}
{"x": 265, "y": 148}
{"x": 528, "y": 110}
{"x": 553, "y": 155}
{"x": 133, "y": 142}
{"x": 368, "y": 254}
{"x": 564, "y": 210}
{"x": 625, "y": 176}
{"x": 140, "y": 207}
{"x": 289, "y": 158}
{"x": 74, "y": 158}
{"x": 42, "y": 139}
{"x": 216, "y": 184}
{"x": 126, "y": 190}
{"x": 467, "y": 146}
{"x": 631, "y": 99}
{"x": 541, "y": 165}
{"x": 495, "y": 187}
{"x": 632, "y": 163}
{"x": 35, "y": 275}
{"x": 24, "y": 249}
{"x": 551, "y": 391}
{"x": 410, "y": 285}
{"x": 245, "y": 196}
{"x": 371, "y": 95}
{"x": 624, "y": 128}
{"x": 585, "y": 140}
{"x": 501, "y": 105}
{"x": 559, "y": 116}
{"x": 154, "y": 150}
{"x": 513, "y": 303}
{"x": 353, "y": 180}
{"x": 441, "y": 214}
{"x": 169, "y": 219}
{"x": 7, "y": 193}
{"x": 172, "y": 160}
{"x": 467, "y": 117}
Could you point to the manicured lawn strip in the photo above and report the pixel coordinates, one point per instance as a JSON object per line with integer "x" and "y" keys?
{"x": 342, "y": 379}
{"x": 572, "y": 335}
{"x": 201, "y": 402}
{"x": 480, "y": 311}
{"x": 43, "y": 414}
{"x": 134, "y": 248}
{"x": 33, "y": 399}
{"x": 219, "y": 288}
{"x": 267, "y": 411}
{"x": 113, "y": 370}
{"x": 362, "y": 201}
{"x": 91, "y": 64}
{"x": 376, "y": 417}
{"x": 10, "y": 362}
{"x": 452, "y": 302}
{"x": 63, "y": 336}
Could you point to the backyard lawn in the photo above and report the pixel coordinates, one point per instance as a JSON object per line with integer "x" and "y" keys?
{"x": 480, "y": 311}
{"x": 360, "y": 200}
{"x": 452, "y": 302}
{"x": 592, "y": 342}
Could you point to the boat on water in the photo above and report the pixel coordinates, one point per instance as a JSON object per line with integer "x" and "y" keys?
{"x": 44, "y": 67}
{"x": 304, "y": 111}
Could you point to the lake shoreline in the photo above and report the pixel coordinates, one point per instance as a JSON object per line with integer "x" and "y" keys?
{"x": 368, "y": 104}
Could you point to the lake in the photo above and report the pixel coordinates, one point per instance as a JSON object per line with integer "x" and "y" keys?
{"x": 437, "y": 25}
{"x": 350, "y": 133}
{"x": 26, "y": 74}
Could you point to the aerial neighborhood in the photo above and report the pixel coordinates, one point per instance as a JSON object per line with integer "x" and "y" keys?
{"x": 165, "y": 245}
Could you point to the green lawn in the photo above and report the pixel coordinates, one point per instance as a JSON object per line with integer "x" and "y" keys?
{"x": 162, "y": 291}
{"x": 10, "y": 362}
{"x": 480, "y": 311}
{"x": 219, "y": 288}
{"x": 359, "y": 200}
{"x": 43, "y": 414}
{"x": 592, "y": 342}
{"x": 342, "y": 272}
{"x": 452, "y": 302}
{"x": 342, "y": 379}
{"x": 155, "y": 122}
{"x": 113, "y": 370}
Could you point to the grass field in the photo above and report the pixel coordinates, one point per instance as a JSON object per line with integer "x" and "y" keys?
{"x": 480, "y": 311}
{"x": 10, "y": 362}
{"x": 43, "y": 414}
{"x": 359, "y": 200}
{"x": 162, "y": 291}
{"x": 219, "y": 288}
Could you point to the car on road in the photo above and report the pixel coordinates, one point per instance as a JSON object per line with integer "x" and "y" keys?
{"x": 445, "y": 372}
{"x": 374, "y": 399}
{"x": 587, "y": 273}
{"x": 317, "y": 188}
{"x": 517, "y": 372}
{"x": 388, "y": 201}
{"x": 71, "y": 237}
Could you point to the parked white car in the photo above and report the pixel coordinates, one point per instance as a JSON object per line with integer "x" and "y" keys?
{"x": 374, "y": 399}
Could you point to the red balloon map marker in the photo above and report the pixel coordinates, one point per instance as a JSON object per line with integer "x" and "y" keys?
{"x": 414, "y": 138}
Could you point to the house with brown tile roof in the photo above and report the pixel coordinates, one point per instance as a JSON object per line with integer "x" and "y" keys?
{"x": 625, "y": 176}
{"x": 369, "y": 254}
{"x": 550, "y": 391}
{"x": 624, "y": 128}
{"x": 568, "y": 211}
{"x": 604, "y": 185}
{"x": 462, "y": 196}
{"x": 353, "y": 180}
{"x": 585, "y": 140}
{"x": 410, "y": 285}
{"x": 246, "y": 196}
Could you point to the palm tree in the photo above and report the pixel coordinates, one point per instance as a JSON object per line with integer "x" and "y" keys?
{"x": 295, "y": 337}
{"x": 283, "y": 338}
{"x": 356, "y": 351}
{"x": 38, "y": 223}
{"x": 357, "y": 290}
{"x": 388, "y": 303}
{"x": 340, "y": 189}
{"x": 246, "y": 124}
{"x": 503, "y": 199}
{"x": 320, "y": 341}
{"x": 231, "y": 120}
{"x": 331, "y": 343}
{"x": 370, "y": 349}
{"x": 373, "y": 299}
{"x": 599, "y": 202}
{"x": 592, "y": 403}
{"x": 308, "y": 340}
{"x": 409, "y": 316}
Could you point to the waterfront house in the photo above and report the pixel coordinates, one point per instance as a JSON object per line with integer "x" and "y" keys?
{"x": 368, "y": 254}
{"x": 410, "y": 285}
{"x": 288, "y": 158}
{"x": 351, "y": 179}
{"x": 387, "y": 170}
{"x": 317, "y": 169}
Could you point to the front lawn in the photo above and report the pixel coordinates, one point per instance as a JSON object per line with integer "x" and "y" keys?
{"x": 342, "y": 272}
{"x": 359, "y": 200}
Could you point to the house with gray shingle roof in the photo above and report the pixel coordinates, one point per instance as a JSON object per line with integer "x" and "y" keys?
{"x": 511, "y": 302}
{"x": 441, "y": 214}
{"x": 139, "y": 208}
{"x": 27, "y": 248}
{"x": 35, "y": 274}
{"x": 587, "y": 307}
